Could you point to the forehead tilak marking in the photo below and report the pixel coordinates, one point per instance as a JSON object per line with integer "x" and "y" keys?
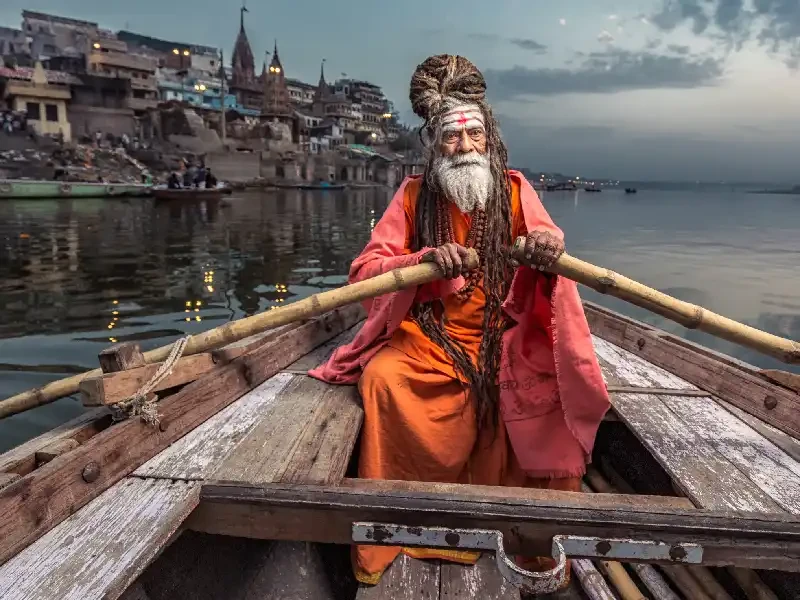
{"x": 462, "y": 117}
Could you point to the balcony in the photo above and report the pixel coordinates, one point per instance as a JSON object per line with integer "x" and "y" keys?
{"x": 33, "y": 90}
{"x": 147, "y": 85}
{"x": 142, "y": 103}
{"x": 98, "y": 61}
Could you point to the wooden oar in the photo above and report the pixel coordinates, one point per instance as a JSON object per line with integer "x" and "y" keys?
{"x": 688, "y": 315}
{"x": 237, "y": 330}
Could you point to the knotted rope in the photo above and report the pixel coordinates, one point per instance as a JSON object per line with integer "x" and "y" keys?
{"x": 139, "y": 404}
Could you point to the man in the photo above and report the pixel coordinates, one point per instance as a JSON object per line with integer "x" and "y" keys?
{"x": 488, "y": 377}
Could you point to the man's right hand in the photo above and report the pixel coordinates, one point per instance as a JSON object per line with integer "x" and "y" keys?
{"x": 451, "y": 259}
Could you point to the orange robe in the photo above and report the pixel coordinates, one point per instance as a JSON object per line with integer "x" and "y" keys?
{"x": 419, "y": 420}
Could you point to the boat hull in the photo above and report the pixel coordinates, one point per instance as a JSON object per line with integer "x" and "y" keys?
{"x": 18, "y": 189}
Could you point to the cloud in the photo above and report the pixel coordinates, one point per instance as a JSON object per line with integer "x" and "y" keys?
{"x": 677, "y": 49}
{"x": 528, "y": 44}
{"x": 607, "y": 72}
{"x": 774, "y": 24}
{"x": 605, "y": 37}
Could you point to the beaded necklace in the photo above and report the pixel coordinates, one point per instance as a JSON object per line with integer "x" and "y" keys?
{"x": 475, "y": 239}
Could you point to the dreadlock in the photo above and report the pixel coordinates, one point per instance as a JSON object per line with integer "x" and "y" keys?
{"x": 438, "y": 82}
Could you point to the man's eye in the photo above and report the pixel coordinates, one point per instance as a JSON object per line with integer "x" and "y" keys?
{"x": 475, "y": 133}
{"x": 450, "y": 136}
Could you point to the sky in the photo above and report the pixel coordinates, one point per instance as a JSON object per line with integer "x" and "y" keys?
{"x": 684, "y": 90}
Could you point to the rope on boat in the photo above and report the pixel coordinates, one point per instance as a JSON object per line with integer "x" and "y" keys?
{"x": 139, "y": 404}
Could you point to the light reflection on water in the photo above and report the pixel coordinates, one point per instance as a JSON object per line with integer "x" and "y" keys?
{"x": 77, "y": 276}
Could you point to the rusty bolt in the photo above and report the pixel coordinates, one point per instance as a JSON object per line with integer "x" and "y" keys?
{"x": 640, "y": 343}
{"x": 162, "y": 426}
{"x": 770, "y": 402}
{"x": 91, "y": 472}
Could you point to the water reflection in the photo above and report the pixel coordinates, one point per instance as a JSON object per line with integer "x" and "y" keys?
{"x": 76, "y": 276}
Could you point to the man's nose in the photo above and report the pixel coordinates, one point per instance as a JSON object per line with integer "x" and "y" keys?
{"x": 465, "y": 144}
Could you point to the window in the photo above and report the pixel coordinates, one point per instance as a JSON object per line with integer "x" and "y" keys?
{"x": 32, "y": 108}
{"x": 51, "y": 112}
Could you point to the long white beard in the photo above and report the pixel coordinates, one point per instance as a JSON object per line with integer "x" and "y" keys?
{"x": 465, "y": 179}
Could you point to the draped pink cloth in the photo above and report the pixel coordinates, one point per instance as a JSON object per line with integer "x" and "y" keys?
{"x": 552, "y": 394}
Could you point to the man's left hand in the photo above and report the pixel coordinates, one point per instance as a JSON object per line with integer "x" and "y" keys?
{"x": 542, "y": 249}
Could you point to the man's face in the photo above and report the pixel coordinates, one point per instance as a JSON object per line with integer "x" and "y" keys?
{"x": 462, "y": 136}
{"x": 462, "y": 165}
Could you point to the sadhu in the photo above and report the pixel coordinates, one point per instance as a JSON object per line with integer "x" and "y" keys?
{"x": 487, "y": 377}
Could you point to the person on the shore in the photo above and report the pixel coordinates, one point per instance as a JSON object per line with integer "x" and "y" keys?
{"x": 488, "y": 377}
{"x": 173, "y": 181}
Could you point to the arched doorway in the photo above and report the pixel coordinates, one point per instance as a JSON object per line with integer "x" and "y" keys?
{"x": 343, "y": 174}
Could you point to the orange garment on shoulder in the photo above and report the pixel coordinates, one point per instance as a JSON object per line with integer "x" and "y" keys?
{"x": 463, "y": 321}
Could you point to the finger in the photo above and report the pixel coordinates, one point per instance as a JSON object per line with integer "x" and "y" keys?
{"x": 456, "y": 258}
{"x": 437, "y": 258}
{"x": 463, "y": 253}
{"x": 448, "y": 263}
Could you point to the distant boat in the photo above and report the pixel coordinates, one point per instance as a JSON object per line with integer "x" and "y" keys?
{"x": 25, "y": 189}
{"x": 592, "y": 189}
{"x": 630, "y": 190}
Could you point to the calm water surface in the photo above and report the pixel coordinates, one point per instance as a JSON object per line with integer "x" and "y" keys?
{"x": 76, "y": 276}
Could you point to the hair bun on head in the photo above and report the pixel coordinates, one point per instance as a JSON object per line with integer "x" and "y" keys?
{"x": 445, "y": 76}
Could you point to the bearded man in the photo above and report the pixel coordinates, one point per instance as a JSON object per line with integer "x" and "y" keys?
{"x": 487, "y": 377}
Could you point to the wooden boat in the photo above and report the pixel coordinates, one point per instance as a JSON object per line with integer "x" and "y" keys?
{"x": 23, "y": 189}
{"x": 163, "y": 193}
{"x": 592, "y": 189}
{"x": 251, "y": 457}
{"x": 630, "y": 190}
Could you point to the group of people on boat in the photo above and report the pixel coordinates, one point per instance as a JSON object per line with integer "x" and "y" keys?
{"x": 192, "y": 177}
{"x": 486, "y": 377}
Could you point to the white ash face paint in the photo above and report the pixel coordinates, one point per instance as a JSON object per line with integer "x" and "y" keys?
{"x": 465, "y": 116}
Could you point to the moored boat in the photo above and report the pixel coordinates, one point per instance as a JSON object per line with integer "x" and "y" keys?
{"x": 699, "y": 460}
{"x": 24, "y": 189}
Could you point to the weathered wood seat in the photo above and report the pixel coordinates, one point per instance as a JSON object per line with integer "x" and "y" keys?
{"x": 103, "y": 547}
{"x": 717, "y": 459}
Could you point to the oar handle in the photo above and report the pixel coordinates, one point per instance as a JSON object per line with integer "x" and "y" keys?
{"x": 689, "y": 315}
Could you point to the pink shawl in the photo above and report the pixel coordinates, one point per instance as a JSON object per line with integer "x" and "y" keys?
{"x": 548, "y": 358}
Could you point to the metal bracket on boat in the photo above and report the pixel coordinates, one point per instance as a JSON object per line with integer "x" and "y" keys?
{"x": 529, "y": 582}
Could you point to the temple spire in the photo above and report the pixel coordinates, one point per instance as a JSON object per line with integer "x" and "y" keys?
{"x": 241, "y": 17}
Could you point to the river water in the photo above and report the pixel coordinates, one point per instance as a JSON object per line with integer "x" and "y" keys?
{"x": 76, "y": 276}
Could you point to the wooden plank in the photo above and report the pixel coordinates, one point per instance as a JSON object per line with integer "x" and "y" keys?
{"x": 725, "y": 378}
{"x": 42, "y": 499}
{"x": 483, "y": 580}
{"x": 116, "y": 387}
{"x": 305, "y": 436}
{"x": 621, "y": 367}
{"x": 54, "y": 449}
{"x": 513, "y": 494}
{"x": 197, "y": 454}
{"x": 22, "y": 459}
{"x": 324, "y": 449}
{"x": 781, "y": 439}
{"x": 326, "y": 514}
{"x": 8, "y": 479}
{"x": 406, "y": 579}
{"x": 320, "y": 355}
{"x": 766, "y": 465}
{"x": 97, "y": 552}
{"x": 700, "y": 471}
{"x": 787, "y": 380}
